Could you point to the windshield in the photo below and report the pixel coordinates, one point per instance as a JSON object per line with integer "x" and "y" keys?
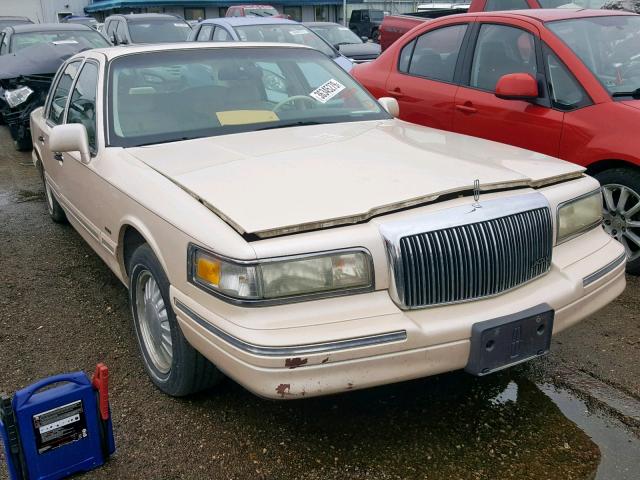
{"x": 283, "y": 33}
{"x": 167, "y": 96}
{"x": 85, "y": 38}
{"x": 609, "y": 46}
{"x": 336, "y": 34}
{"x": 159, "y": 31}
{"x": 84, "y": 21}
{"x": 260, "y": 12}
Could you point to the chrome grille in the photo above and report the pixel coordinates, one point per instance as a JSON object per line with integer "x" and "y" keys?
{"x": 476, "y": 260}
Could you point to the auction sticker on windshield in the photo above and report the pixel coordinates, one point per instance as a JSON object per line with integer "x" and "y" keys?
{"x": 327, "y": 91}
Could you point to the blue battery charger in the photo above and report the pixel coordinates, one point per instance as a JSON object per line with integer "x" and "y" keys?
{"x": 51, "y": 433}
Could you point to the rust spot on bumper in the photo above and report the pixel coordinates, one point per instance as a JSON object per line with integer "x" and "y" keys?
{"x": 283, "y": 389}
{"x": 325, "y": 360}
{"x": 295, "y": 362}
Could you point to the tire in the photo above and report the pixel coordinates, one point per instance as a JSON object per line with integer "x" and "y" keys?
{"x": 616, "y": 183}
{"x": 184, "y": 371}
{"x": 375, "y": 36}
{"x": 53, "y": 207}
{"x": 22, "y": 141}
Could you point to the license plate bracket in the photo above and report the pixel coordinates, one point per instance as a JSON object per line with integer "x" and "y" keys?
{"x": 506, "y": 341}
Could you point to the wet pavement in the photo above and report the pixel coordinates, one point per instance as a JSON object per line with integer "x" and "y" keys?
{"x": 571, "y": 415}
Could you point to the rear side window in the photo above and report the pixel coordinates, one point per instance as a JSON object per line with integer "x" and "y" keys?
{"x": 61, "y": 93}
{"x": 497, "y": 5}
{"x": 436, "y": 53}
{"x": 221, "y": 35}
{"x": 204, "y": 35}
{"x": 405, "y": 57}
{"x": 82, "y": 107}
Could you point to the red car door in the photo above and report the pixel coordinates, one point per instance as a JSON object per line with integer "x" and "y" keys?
{"x": 423, "y": 79}
{"x": 500, "y": 49}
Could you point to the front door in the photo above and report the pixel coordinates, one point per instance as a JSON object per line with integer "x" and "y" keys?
{"x": 499, "y": 50}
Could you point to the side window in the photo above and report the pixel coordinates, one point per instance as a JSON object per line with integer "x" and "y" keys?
{"x": 356, "y": 16}
{"x": 82, "y": 107}
{"x": 497, "y": 5}
{"x": 405, "y": 57}
{"x": 121, "y": 31}
{"x": 566, "y": 93}
{"x": 204, "y": 35}
{"x": 501, "y": 50}
{"x": 61, "y": 93}
{"x": 109, "y": 28}
{"x": 220, "y": 34}
{"x": 4, "y": 46}
{"x": 436, "y": 53}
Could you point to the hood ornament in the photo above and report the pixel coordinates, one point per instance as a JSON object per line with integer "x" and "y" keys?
{"x": 476, "y": 194}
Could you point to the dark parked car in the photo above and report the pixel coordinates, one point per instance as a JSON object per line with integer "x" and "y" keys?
{"x": 34, "y": 53}
{"x": 347, "y": 42}
{"x": 11, "y": 21}
{"x": 366, "y": 23}
{"x": 146, "y": 28}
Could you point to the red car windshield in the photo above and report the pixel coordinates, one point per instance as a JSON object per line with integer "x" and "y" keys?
{"x": 261, "y": 12}
{"x": 609, "y": 46}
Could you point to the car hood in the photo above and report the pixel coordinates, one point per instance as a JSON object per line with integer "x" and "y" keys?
{"x": 287, "y": 180}
{"x": 632, "y": 103}
{"x": 360, "y": 49}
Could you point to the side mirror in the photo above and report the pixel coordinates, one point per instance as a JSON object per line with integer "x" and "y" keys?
{"x": 390, "y": 105}
{"x": 71, "y": 137}
{"x": 517, "y": 86}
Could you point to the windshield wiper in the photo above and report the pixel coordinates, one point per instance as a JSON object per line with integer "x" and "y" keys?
{"x": 301, "y": 123}
{"x": 634, "y": 94}
{"x": 343, "y": 43}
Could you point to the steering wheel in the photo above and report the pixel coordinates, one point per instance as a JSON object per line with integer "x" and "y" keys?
{"x": 293, "y": 98}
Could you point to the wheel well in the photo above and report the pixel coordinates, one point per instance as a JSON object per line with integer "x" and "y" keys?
{"x": 602, "y": 165}
{"x": 131, "y": 239}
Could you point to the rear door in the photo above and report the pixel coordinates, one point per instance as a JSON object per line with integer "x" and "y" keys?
{"x": 423, "y": 79}
{"x": 496, "y": 50}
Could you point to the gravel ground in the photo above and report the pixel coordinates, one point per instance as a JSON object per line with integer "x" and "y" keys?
{"x": 61, "y": 310}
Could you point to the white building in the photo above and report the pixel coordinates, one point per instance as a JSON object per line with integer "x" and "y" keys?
{"x": 43, "y": 11}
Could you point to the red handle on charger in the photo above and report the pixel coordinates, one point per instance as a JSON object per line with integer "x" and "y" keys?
{"x": 100, "y": 382}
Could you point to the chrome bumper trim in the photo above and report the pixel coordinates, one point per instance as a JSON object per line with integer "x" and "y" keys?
{"x": 293, "y": 350}
{"x": 598, "y": 274}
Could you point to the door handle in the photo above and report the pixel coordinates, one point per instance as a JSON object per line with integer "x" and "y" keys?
{"x": 58, "y": 156}
{"x": 467, "y": 108}
{"x": 396, "y": 92}
{"x": 41, "y": 139}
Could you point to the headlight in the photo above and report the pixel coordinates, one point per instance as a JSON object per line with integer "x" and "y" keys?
{"x": 579, "y": 215}
{"x": 17, "y": 96}
{"x": 280, "y": 280}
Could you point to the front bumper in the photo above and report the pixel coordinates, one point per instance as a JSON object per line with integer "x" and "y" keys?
{"x": 377, "y": 343}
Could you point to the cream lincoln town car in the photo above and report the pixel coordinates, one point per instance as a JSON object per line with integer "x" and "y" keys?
{"x": 275, "y": 223}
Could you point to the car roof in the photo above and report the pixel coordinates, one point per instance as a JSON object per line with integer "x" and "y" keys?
{"x": 49, "y": 27}
{"x": 322, "y": 24}
{"x": 123, "y": 50}
{"x": 252, "y": 5}
{"x": 146, "y": 16}
{"x": 551, "y": 14}
{"x": 238, "y": 21}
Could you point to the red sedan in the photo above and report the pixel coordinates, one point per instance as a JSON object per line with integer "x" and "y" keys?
{"x": 562, "y": 82}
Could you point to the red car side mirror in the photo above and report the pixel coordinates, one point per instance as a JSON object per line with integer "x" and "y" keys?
{"x": 517, "y": 86}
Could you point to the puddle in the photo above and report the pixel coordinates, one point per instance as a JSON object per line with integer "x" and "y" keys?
{"x": 620, "y": 449}
{"x": 452, "y": 426}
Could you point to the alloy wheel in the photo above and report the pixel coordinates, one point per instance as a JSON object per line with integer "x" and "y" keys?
{"x": 622, "y": 217}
